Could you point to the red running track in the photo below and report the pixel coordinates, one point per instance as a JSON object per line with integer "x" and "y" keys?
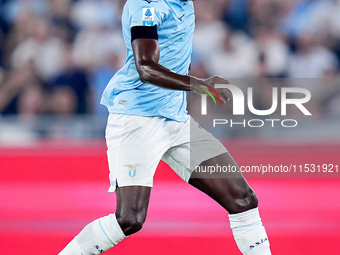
{"x": 50, "y": 191}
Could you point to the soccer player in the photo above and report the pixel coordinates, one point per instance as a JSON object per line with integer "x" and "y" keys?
{"x": 148, "y": 122}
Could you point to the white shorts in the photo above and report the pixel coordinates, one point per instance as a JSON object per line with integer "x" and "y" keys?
{"x": 136, "y": 144}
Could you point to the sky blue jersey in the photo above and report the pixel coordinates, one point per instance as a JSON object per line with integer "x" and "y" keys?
{"x": 125, "y": 92}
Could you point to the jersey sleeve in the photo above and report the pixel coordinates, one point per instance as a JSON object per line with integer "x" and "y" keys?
{"x": 147, "y": 13}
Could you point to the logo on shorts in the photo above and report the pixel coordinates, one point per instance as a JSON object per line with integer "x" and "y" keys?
{"x": 132, "y": 169}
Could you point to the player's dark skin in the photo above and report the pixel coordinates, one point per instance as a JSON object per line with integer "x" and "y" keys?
{"x": 232, "y": 192}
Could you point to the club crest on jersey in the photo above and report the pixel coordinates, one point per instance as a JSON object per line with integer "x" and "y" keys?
{"x": 148, "y": 16}
{"x": 132, "y": 169}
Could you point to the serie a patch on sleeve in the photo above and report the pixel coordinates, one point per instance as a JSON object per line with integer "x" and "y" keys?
{"x": 148, "y": 16}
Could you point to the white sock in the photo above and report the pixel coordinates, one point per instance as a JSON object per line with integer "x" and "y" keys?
{"x": 249, "y": 234}
{"x": 97, "y": 237}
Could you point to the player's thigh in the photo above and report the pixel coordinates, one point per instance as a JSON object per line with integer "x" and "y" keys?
{"x": 228, "y": 187}
{"x": 192, "y": 145}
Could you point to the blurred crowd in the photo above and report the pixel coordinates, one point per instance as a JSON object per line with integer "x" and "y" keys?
{"x": 56, "y": 56}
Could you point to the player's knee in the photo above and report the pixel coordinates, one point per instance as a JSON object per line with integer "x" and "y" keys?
{"x": 130, "y": 224}
{"x": 246, "y": 200}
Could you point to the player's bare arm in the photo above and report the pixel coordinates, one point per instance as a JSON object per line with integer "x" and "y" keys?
{"x": 147, "y": 53}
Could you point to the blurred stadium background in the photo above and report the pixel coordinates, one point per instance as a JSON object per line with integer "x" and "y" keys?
{"x": 56, "y": 57}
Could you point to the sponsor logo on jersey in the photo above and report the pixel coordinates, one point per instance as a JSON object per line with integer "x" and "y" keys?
{"x": 148, "y": 16}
